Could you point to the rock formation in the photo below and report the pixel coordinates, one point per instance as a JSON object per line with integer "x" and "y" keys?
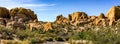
{"x": 101, "y": 15}
{"x": 48, "y": 26}
{"x": 4, "y": 13}
{"x": 22, "y": 13}
{"x": 61, "y": 19}
{"x": 17, "y": 17}
{"x": 113, "y": 14}
{"x": 76, "y": 16}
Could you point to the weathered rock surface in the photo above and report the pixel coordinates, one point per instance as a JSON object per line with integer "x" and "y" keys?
{"x": 76, "y": 16}
{"x": 48, "y": 26}
{"x": 61, "y": 19}
{"x": 101, "y": 15}
{"x": 22, "y": 13}
{"x": 15, "y": 25}
{"x": 17, "y": 17}
{"x": 113, "y": 14}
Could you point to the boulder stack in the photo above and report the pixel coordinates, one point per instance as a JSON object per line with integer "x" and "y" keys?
{"x": 61, "y": 19}
{"x": 22, "y": 13}
{"x": 76, "y": 16}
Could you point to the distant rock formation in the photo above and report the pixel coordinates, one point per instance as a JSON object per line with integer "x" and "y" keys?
{"x": 78, "y": 15}
{"x": 61, "y": 19}
{"x": 101, "y": 15}
{"x": 22, "y": 13}
{"x": 17, "y": 17}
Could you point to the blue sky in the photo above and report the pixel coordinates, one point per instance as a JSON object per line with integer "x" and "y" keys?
{"x": 47, "y": 10}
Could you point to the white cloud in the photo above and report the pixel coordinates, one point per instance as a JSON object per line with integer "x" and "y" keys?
{"x": 20, "y": 3}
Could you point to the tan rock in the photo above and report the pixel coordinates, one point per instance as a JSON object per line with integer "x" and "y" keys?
{"x": 15, "y": 25}
{"x": 25, "y": 14}
{"x": 102, "y": 22}
{"x": 35, "y": 25}
{"x": 113, "y": 14}
{"x": 48, "y": 26}
{"x": 76, "y": 16}
{"x": 101, "y": 15}
{"x": 61, "y": 19}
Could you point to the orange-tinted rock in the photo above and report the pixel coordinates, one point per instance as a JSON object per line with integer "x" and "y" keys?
{"x": 101, "y": 15}
{"x": 35, "y": 25}
{"x": 61, "y": 19}
{"x": 114, "y": 13}
{"x": 48, "y": 26}
{"x": 76, "y": 16}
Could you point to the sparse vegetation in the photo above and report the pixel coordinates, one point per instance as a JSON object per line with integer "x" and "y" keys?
{"x": 102, "y": 35}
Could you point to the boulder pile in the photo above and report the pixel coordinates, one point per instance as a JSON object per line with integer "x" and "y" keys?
{"x": 21, "y": 17}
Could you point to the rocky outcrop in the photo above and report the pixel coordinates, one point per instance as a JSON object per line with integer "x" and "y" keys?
{"x": 15, "y": 25}
{"x": 17, "y": 18}
{"x": 35, "y": 26}
{"x": 101, "y": 15}
{"x": 76, "y": 16}
{"x": 4, "y": 13}
{"x": 22, "y": 13}
{"x": 61, "y": 19}
{"x": 48, "y": 26}
{"x": 113, "y": 14}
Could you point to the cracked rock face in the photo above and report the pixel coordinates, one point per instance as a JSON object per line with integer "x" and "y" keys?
{"x": 114, "y": 13}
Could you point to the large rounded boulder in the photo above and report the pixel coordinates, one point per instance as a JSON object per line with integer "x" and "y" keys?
{"x": 101, "y": 15}
{"x": 4, "y": 12}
